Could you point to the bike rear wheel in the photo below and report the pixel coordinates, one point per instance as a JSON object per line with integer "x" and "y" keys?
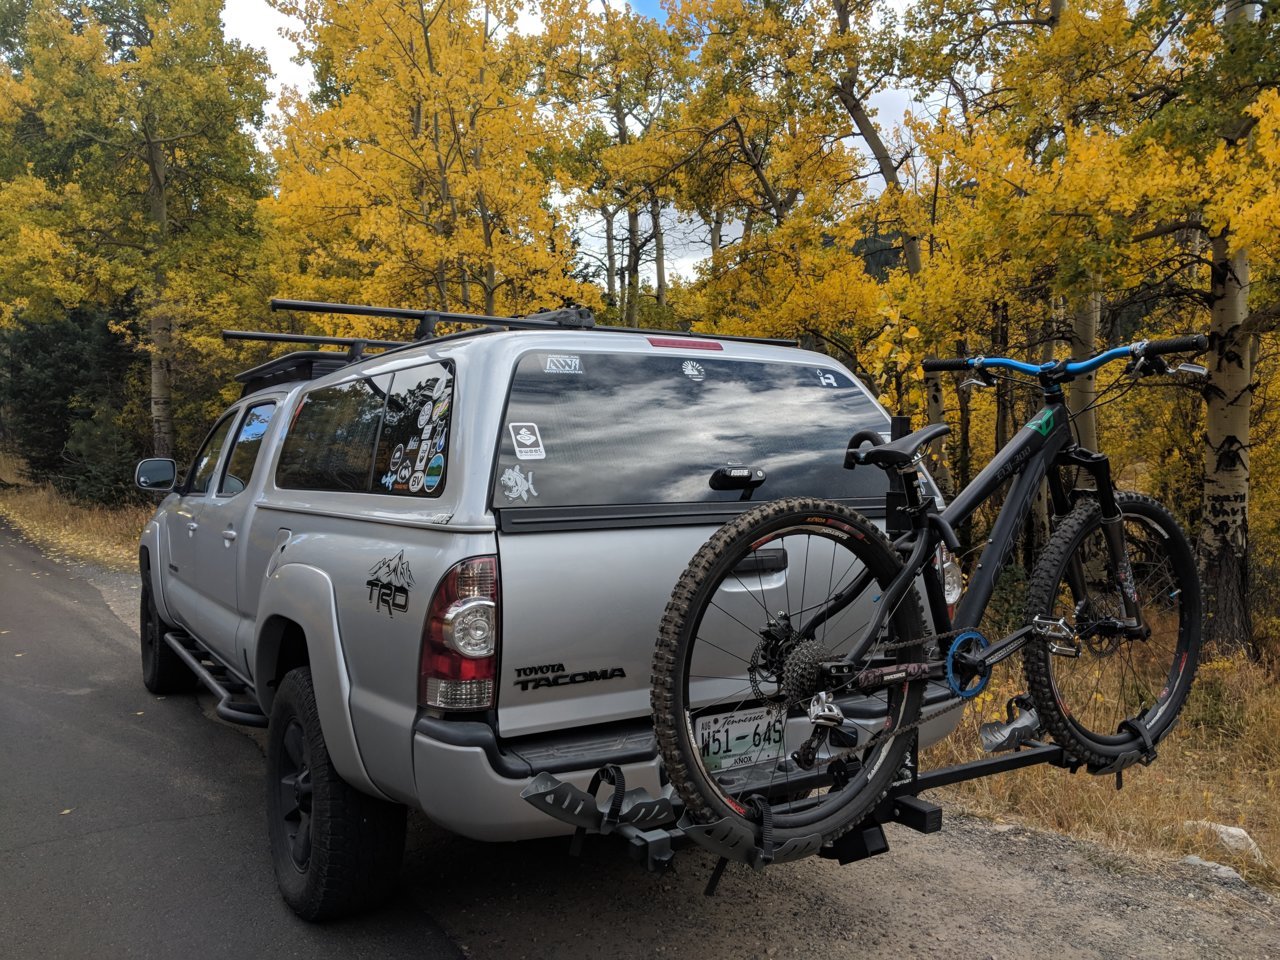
{"x": 1094, "y": 703}
{"x": 733, "y": 678}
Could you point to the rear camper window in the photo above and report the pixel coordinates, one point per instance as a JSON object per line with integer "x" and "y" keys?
{"x": 596, "y": 429}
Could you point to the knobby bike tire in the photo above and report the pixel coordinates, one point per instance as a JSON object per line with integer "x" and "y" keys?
{"x": 821, "y": 526}
{"x": 1084, "y": 701}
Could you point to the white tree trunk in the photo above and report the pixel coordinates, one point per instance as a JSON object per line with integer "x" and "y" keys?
{"x": 1224, "y": 534}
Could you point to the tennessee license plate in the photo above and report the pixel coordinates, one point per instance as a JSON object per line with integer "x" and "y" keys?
{"x": 739, "y": 739}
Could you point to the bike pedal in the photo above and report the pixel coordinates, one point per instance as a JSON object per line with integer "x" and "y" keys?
{"x": 1022, "y": 727}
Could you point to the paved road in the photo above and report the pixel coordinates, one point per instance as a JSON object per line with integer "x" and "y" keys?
{"x": 130, "y": 825}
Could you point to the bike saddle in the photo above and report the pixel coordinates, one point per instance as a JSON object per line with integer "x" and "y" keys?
{"x": 896, "y": 453}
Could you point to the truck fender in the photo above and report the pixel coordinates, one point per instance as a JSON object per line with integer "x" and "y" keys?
{"x": 304, "y": 595}
{"x": 151, "y": 560}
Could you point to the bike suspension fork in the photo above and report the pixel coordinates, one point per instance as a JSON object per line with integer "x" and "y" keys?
{"x": 1099, "y": 467}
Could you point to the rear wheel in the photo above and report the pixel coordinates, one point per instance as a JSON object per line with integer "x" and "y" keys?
{"x": 736, "y": 669}
{"x": 1092, "y": 689}
{"x": 336, "y": 850}
{"x": 162, "y": 669}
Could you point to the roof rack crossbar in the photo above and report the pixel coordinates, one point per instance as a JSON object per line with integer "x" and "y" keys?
{"x": 307, "y": 338}
{"x": 579, "y": 317}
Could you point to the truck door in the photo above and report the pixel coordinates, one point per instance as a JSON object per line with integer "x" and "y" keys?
{"x": 225, "y": 526}
{"x": 187, "y": 536}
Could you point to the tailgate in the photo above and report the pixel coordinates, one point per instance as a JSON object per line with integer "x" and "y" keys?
{"x": 580, "y": 615}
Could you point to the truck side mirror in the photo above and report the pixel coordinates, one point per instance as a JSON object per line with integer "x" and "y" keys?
{"x": 155, "y": 475}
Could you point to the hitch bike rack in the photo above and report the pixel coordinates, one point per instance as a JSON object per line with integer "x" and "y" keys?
{"x": 654, "y": 828}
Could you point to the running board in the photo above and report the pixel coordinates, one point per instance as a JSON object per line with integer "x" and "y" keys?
{"x": 224, "y": 687}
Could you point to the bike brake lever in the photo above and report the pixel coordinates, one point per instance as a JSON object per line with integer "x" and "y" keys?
{"x": 980, "y": 379}
{"x": 1192, "y": 369}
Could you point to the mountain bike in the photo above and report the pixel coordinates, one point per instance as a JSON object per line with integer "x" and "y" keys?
{"x": 785, "y": 705}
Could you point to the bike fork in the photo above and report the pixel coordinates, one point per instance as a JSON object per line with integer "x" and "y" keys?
{"x": 1098, "y": 466}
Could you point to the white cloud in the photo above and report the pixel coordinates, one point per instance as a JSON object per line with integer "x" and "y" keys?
{"x": 256, "y": 24}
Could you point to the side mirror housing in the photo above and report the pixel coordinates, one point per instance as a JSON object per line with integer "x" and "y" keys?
{"x": 156, "y": 475}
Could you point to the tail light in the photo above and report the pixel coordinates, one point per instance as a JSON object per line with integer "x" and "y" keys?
{"x": 460, "y": 639}
{"x": 952, "y": 577}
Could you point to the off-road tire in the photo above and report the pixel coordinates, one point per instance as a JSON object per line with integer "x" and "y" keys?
{"x": 356, "y": 841}
{"x": 703, "y": 802}
{"x": 1094, "y": 747}
{"x": 163, "y": 671}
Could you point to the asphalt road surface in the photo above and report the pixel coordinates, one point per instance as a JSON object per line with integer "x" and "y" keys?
{"x": 133, "y": 826}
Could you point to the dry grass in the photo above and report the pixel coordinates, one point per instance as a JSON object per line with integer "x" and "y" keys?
{"x": 1221, "y": 763}
{"x": 101, "y": 535}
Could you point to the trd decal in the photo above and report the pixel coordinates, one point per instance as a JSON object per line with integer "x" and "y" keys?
{"x": 389, "y": 582}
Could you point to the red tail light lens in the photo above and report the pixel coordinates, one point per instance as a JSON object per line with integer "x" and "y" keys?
{"x": 460, "y": 639}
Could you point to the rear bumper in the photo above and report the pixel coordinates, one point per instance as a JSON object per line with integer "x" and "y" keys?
{"x": 470, "y": 782}
{"x": 467, "y": 783}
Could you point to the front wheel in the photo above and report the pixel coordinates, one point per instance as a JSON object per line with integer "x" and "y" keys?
{"x": 1094, "y": 692}
{"x": 772, "y": 596}
{"x": 336, "y": 850}
{"x": 162, "y": 669}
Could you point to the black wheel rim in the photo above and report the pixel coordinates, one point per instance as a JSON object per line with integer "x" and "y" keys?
{"x": 836, "y": 561}
{"x": 1115, "y": 679}
{"x": 295, "y": 792}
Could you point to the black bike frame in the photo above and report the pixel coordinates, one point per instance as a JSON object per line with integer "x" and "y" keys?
{"x": 1036, "y": 453}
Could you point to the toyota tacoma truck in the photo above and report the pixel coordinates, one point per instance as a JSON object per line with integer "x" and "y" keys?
{"x": 436, "y": 572}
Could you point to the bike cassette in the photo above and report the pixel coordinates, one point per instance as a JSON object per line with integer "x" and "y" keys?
{"x": 967, "y": 676}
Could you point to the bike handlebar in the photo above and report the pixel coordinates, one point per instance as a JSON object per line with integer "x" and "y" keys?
{"x": 1196, "y": 343}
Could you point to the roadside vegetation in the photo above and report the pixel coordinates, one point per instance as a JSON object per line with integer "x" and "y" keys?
{"x": 100, "y": 534}
{"x": 1221, "y": 765}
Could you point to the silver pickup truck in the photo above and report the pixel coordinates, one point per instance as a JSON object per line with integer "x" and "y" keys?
{"x": 436, "y": 572}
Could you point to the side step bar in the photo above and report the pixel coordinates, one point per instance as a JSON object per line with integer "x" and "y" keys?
{"x": 218, "y": 679}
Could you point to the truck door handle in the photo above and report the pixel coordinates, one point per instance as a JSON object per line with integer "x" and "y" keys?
{"x": 228, "y": 535}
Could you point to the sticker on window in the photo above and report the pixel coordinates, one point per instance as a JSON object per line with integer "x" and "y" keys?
{"x": 693, "y": 370}
{"x": 517, "y": 485}
{"x": 563, "y": 363}
{"x": 435, "y": 470}
{"x": 528, "y": 441}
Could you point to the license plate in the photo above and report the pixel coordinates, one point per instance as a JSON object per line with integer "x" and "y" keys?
{"x": 739, "y": 739}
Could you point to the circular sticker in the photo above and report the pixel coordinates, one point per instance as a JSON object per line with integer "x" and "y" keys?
{"x": 441, "y": 407}
{"x": 424, "y": 416}
{"x": 415, "y": 482}
{"x": 440, "y": 438}
{"x": 435, "y": 470}
{"x": 397, "y": 456}
{"x": 405, "y": 469}
{"x": 693, "y": 370}
{"x": 438, "y": 389}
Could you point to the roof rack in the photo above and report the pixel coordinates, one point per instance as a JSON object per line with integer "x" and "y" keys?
{"x": 301, "y": 364}
{"x": 578, "y": 318}
{"x": 573, "y": 318}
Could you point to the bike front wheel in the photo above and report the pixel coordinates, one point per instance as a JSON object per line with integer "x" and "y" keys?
{"x": 771, "y": 596}
{"x": 1096, "y": 692}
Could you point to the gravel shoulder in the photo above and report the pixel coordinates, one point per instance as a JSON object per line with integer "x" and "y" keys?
{"x": 976, "y": 889}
